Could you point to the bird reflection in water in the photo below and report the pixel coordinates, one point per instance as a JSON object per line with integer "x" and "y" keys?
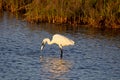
{"x": 55, "y": 67}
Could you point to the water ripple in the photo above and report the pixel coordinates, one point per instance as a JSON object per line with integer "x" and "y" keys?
{"x": 94, "y": 57}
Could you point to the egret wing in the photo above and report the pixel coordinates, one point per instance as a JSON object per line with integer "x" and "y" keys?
{"x": 62, "y": 40}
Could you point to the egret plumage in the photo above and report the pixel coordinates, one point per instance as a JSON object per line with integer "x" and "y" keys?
{"x": 58, "y": 39}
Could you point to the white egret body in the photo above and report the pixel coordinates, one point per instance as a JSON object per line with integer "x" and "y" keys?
{"x": 59, "y": 40}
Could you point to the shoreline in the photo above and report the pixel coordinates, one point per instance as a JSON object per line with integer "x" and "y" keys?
{"x": 95, "y": 13}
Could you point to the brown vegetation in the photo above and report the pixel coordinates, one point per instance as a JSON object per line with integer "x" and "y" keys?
{"x": 97, "y": 13}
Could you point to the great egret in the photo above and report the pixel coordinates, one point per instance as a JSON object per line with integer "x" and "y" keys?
{"x": 58, "y": 39}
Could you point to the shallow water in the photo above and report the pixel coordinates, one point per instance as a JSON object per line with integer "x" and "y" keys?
{"x": 95, "y": 55}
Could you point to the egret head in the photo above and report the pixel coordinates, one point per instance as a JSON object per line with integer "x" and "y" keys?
{"x": 46, "y": 40}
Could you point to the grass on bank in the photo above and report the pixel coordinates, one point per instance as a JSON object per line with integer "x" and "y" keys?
{"x": 97, "y": 13}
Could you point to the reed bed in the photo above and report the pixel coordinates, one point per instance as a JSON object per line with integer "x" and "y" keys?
{"x": 96, "y": 13}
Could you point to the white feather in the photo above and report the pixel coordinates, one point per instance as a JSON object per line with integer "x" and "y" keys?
{"x": 58, "y": 39}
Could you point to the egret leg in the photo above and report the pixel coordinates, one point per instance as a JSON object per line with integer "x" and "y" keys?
{"x": 61, "y": 55}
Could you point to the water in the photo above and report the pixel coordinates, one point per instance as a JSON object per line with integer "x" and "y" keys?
{"x": 95, "y": 55}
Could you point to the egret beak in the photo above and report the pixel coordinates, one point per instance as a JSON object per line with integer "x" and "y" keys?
{"x": 43, "y": 45}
